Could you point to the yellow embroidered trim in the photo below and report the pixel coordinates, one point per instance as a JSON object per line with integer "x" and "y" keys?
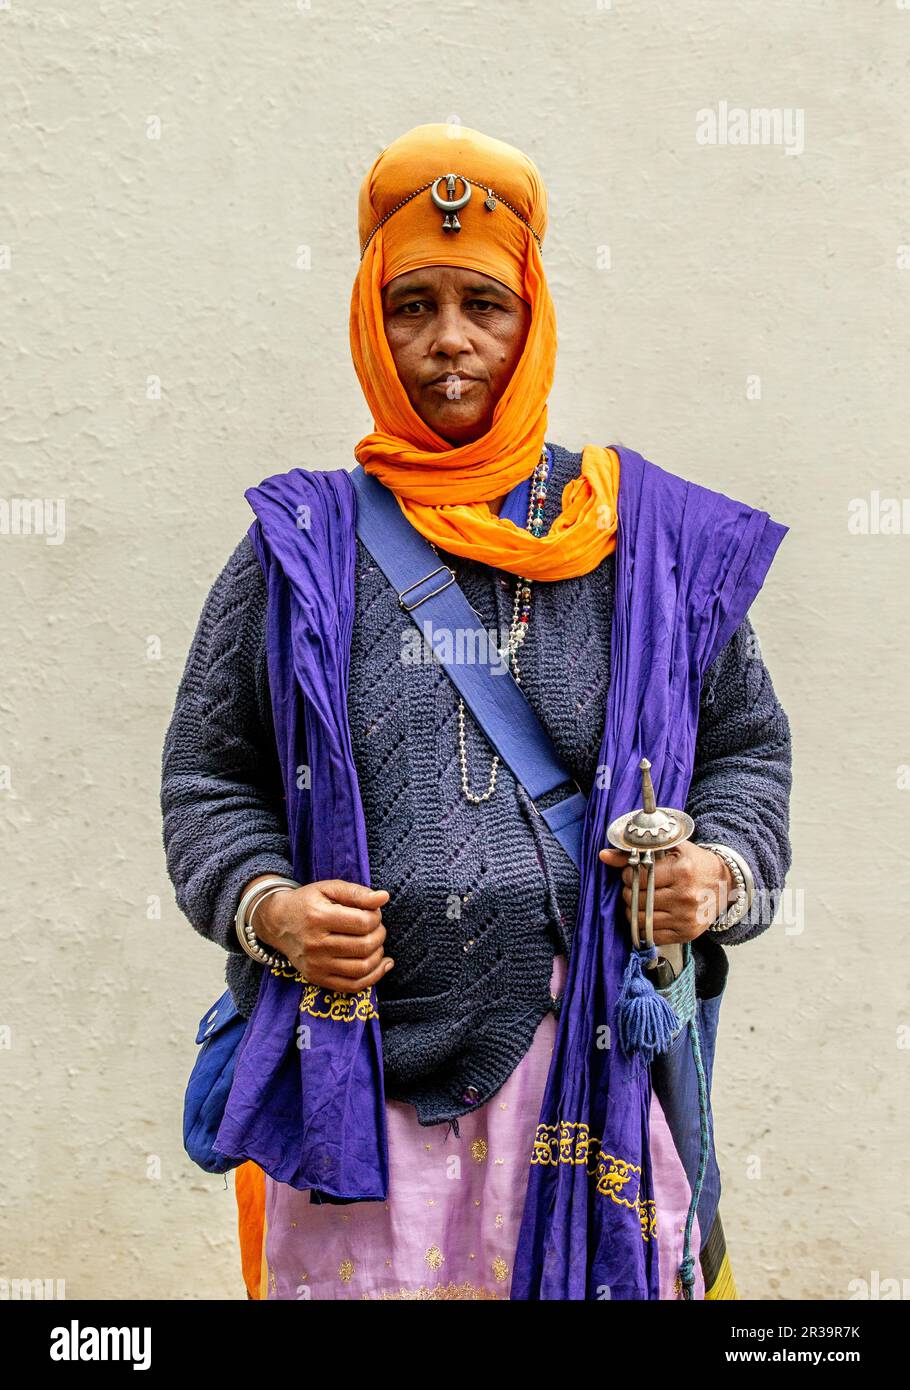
{"x": 557, "y": 1144}
{"x": 331, "y": 1003}
{"x": 346, "y": 1008}
{"x": 570, "y": 1141}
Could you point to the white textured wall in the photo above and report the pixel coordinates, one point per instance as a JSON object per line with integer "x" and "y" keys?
{"x": 132, "y": 258}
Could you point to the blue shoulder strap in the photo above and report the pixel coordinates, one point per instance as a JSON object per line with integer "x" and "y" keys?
{"x": 428, "y": 591}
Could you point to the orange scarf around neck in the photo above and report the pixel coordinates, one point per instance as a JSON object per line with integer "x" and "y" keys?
{"x": 443, "y": 490}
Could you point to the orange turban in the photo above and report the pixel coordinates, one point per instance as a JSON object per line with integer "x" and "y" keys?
{"x": 444, "y": 491}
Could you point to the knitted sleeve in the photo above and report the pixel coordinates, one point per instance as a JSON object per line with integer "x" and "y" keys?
{"x": 740, "y": 790}
{"x": 222, "y": 799}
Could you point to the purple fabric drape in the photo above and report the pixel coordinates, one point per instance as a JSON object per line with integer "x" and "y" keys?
{"x": 689, "y": 563}
{"x": 308, "y": 1100}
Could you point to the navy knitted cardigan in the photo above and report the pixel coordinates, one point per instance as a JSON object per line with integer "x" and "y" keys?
{"x": 481, "y": 896}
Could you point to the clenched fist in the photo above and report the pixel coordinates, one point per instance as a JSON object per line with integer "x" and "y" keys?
{"x": 330, "y": 931}
{"x": 692, "y": 887}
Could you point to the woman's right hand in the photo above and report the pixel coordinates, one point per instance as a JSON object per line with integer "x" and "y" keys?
{"x": 330, "y": 931}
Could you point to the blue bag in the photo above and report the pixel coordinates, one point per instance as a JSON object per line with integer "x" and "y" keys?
{"x": 220, "y": 1032}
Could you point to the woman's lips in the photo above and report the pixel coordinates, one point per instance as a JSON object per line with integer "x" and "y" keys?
{"x": 454, "y": 386}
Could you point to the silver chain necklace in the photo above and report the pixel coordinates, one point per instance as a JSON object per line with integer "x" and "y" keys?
{"x": 521, "y": 612}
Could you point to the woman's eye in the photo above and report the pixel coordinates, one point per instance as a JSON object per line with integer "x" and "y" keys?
{"x": 414, "y": 306}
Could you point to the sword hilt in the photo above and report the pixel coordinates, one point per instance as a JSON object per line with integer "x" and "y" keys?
{"x": 647, "y": 834}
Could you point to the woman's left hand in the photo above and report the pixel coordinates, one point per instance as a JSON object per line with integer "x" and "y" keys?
{"x": 692, "y": 887}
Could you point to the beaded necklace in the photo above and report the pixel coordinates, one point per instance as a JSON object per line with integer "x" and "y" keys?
{"x": 521, "y": 614}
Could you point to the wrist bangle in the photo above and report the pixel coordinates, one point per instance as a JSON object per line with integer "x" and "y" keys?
{"x": 743, "y": 881}
{"x": 245, "y": 908}
{"x": 266, "y": 893}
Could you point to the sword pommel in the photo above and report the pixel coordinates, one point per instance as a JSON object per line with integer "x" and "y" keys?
{"x": 648, "y": 800}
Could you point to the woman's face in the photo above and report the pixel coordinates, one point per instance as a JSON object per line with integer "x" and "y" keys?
{"x": 456, "y": 337}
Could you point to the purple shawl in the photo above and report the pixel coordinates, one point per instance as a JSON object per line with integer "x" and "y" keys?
{"x": 307, "y": 1102}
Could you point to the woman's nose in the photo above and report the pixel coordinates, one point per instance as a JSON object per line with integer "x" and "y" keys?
{"x": 451, "y": 333}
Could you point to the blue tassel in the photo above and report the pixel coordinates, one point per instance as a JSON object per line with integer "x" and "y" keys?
{"x": 687, "y": 1277}
{"x": 645, "y": 1022}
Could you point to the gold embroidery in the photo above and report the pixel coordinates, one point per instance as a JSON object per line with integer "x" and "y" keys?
{"x": 345, "y": 1270}
{"x": 500, "y": 1269}
{"x": 498, "y": 1219}
{"x": 558, "y": 1143}
{"x": 613, "y": 1175}
{"x": 441, "y": 1291}
{"x": 344, "y": 1008}
{"x": 479, "y": 1150}
{"x": 570, "y": 1141}
{"x": 329, "y": 1003}
{"x": 434, "y": 1257}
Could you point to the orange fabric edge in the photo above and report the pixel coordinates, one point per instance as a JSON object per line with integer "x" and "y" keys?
{"x": 249, "y": 1189}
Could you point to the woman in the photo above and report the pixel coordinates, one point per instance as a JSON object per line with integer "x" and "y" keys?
{"x": 463, "y": 929}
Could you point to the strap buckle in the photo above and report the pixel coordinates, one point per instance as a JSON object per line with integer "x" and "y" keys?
{"x": 442, "y": 568}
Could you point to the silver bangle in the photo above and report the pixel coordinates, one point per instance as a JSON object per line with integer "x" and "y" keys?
{"x": 745, "y": 887}
{"x": 266, "y": 893}
{"x": 242, "y": 920}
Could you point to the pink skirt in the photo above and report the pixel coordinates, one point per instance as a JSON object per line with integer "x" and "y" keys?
{"x": 450, "y": 1225}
